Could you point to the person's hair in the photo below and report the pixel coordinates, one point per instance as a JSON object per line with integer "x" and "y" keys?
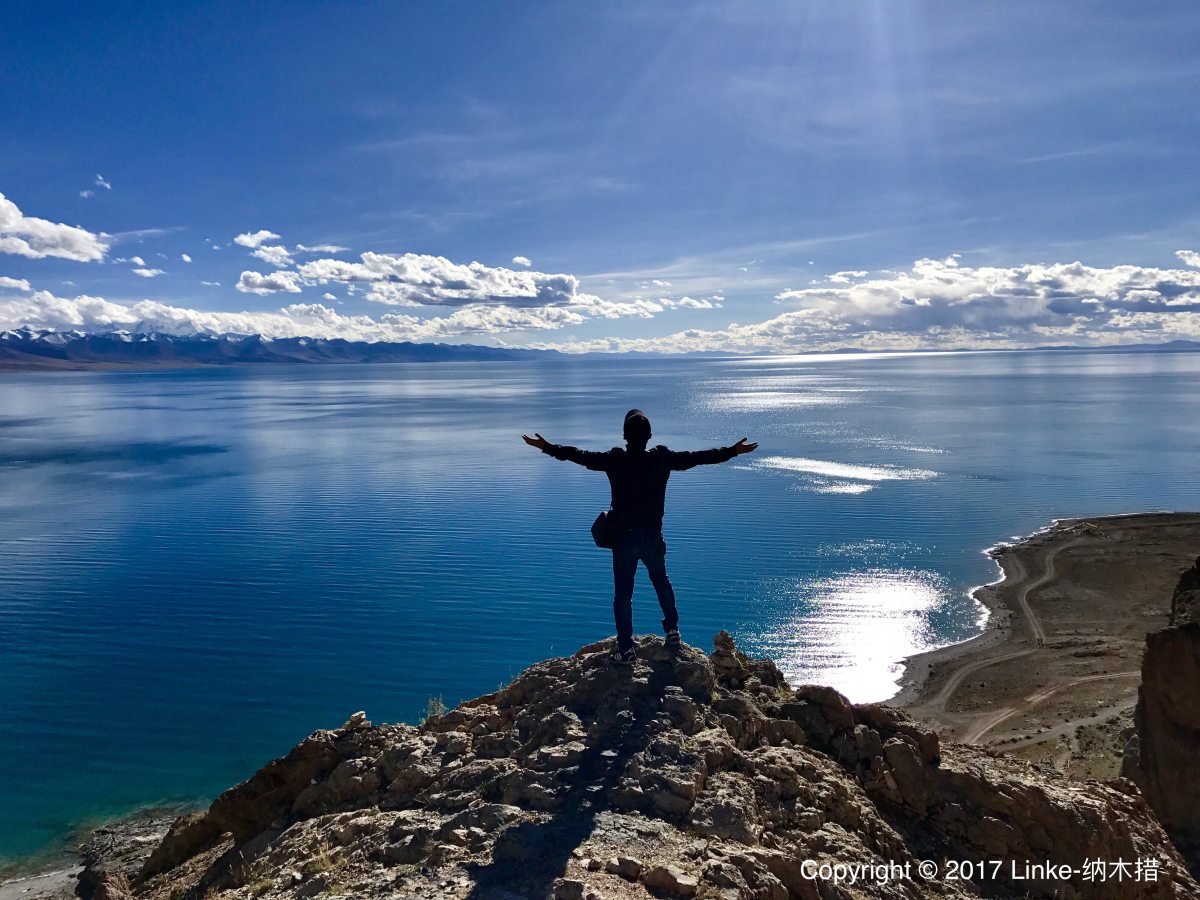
{"x": 637, "y": 429}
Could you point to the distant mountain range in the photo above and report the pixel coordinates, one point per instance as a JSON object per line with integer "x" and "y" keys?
{"x": 31, "y": 349}
{"x": 26, "y": 348}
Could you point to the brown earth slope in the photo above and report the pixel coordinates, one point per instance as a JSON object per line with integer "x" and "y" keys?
{"x": 1054, "y": 677}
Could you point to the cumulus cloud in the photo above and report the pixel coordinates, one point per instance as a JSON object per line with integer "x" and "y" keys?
{"x": 944, "y": 304}
{"x": 943, "y": 294}
{"x": 148, "y": 273}
{"x": 271, "y": 283}
{"x": 934, "y": 304}
{"x": 522, "y": 261}
{"x": 43, "y": 309}
{"x": 37, "y": 238}
{"x": 253, "y": 239}
{"x": 185, "y": 257}
{"x": 692, "y": 303}
{"x": 274, "y": 254}
{"x": 1189, "y": 257}
{"x": 413, "y": 279}
{"x": 136, "y": 260}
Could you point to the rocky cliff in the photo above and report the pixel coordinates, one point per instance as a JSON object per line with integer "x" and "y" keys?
{"x": 1162, "y": 755}
{"x": 689, "y": 775}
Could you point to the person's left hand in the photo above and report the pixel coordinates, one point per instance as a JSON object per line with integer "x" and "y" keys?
{"x": 536, "y": 441}
{"x": 742, "y": 447}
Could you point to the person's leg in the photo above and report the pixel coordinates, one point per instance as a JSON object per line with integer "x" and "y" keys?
{"x": 654, "y": 555}
{"x": 624, "y": 568}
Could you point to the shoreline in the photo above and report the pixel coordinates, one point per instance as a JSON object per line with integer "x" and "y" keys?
{"x": 53, "y": 873}
{"x": 1054, "y": 673}
{"x": 918, "y": 666}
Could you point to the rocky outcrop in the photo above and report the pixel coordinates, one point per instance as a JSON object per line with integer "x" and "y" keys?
{"x": 689, "y": 775}
{"x": 1162, "y": 754}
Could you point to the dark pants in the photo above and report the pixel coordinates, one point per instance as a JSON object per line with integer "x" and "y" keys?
{"x": 646, "y": 544}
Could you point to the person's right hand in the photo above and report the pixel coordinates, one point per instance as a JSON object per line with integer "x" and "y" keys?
{"x": 536, "y": 441}
{"x": 742, "y": 447}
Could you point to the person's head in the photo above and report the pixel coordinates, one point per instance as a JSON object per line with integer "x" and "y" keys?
{"x": 637, "y": 429}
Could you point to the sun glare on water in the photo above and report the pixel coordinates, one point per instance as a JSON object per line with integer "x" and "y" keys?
{"x": 849, "y": 631}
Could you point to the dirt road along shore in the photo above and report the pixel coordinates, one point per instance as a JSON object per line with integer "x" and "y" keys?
{"x": 1055, "y": 675}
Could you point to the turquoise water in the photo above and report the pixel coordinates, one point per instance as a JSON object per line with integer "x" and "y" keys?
{"x": 200, "y": 567}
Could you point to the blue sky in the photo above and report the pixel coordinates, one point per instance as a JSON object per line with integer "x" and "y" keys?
{"x": 728, "y": 176}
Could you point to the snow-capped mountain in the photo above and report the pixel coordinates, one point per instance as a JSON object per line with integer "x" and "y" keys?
{"x": 28, "y": 348}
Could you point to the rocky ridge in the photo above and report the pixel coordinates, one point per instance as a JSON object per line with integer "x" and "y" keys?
{"x": 1161, "y": 755}
{"x": 689, "y": 775}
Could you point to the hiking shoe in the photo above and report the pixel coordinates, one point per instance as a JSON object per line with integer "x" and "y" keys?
{"x": 623, "y": 657}
{"x": 672, "y": 639}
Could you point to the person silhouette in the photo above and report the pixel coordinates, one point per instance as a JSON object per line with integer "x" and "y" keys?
{"x": 638, "y": 477}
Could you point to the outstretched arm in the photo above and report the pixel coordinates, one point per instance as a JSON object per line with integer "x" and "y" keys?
{"x": 589, "y": 459}
{"x": 686, "y": 459}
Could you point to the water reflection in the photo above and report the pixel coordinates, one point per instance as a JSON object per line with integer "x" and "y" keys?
{"x": 831, "y": 469}
{"x": 848, "y": 631}
{"x": 751, "y": 401}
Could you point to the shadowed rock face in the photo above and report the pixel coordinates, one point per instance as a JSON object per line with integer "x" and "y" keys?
{"x": 1163, "y": 755}
{"x": 689, "y": 775}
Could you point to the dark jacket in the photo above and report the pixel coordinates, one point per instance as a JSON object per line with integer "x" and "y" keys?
{"x": 638, "y": 478}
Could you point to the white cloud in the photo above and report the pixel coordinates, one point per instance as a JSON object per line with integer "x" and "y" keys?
{"x": 944, "y": 304}
{"x": 211, "y": 283}
{"x": 253, "y": 239}
{"x": 19, "y": 284}
{"x": 148, "y": 273}
{"x": 1189, "y": 257}
{"x": 938, "y": 295}
{"x": 414, "y": 279}
{"x": 845, "y": 277}
{"x": 692, "y": 303}
{"x": 45, "y": 310}
{"x": 99, "y": 182}
{"x": 522, "y": 261}
{"x": 935, "y": 304}
{"x": 136, "y": 260}
{"x": 328, "y": 296}
{"x": 39, "y": 238}
{"x": 271, "y": 283}
{"x": 185, "y": 257}
{"x": 320, "y": 248}
{"x": 274, "y": 254}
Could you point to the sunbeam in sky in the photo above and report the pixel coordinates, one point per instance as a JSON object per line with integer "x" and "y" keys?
{"x": 749, "y": 178}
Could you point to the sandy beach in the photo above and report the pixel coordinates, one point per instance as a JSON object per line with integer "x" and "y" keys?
{"x": 1054, "y": 676}
{"x": 57, "y": 884}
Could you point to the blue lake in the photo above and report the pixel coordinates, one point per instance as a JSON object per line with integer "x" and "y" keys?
{"x": 200, "y": 567}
